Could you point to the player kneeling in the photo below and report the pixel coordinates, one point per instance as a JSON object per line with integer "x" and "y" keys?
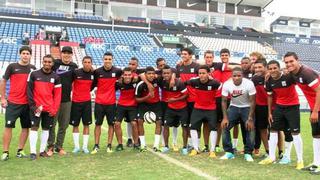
{"x": 176, "y": 111}
{"x": 44, "y": 95}
{"x": 204, "y": 108}
{"x": 81, "y": 103}
{"x": 126, "y": 108}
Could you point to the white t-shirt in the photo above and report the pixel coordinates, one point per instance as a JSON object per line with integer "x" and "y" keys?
{"x": 239, "y": 94}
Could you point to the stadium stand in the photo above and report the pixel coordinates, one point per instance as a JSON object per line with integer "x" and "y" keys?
{"x": 306, "y": 53}
{"x": 51, "y": 14}
{"x": 88, "y": 17}
{"x": 116, "y": 37}
{"x": 246, "y": 46}
{"x": 39, "y": 49}
{"x": 7, "y": 10}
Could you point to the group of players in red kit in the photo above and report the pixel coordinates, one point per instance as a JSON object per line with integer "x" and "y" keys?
{"x": 258, "y": 95}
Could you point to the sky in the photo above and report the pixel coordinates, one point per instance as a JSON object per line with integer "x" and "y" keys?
{"x": 295, "y": 8}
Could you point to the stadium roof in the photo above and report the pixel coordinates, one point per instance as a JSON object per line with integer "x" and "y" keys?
{"x": 259, "y": 3}
{"x": 288, "y": 18}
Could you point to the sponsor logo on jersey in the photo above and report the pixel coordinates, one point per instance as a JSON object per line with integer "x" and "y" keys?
{"x": 284, "y": 83}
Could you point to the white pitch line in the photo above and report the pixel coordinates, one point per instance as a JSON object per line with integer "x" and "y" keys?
{"x": 194, "y": 170}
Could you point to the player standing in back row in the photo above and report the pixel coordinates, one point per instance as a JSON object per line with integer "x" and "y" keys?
{"x": 64, "y": 69}
{"x": 44, "y": 95}
{"x": 308, "y": 80}
{"x": 185, "y": 71}
{"x": 105, "y": 79}
{"x": 81, "y": 103}
{"x": 17, "y": 103}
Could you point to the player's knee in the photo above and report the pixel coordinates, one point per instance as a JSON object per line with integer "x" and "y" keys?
{"x": 117, "y": 124}
{"x": 34, "y": 128}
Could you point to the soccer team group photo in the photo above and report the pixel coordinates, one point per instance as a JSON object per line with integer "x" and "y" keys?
{"x": 202, "y": 92}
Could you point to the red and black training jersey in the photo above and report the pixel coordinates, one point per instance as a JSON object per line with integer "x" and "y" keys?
{"x": 261, "y": 95}
{"x": 226, "y": 74}
{"x": 185, "y": 73}
{"x": 82, "y": 85}
{"x": 205, "y": 93}
{"x": 247, "y": 74}
{"x": 159, "y": 71}
{"x": 284, "y": 89}
{"x": 164, "y": 95}
{"x": 105, "y": 81}
{"x": 44, "y": 89}
{"x": 64, "y": 71}
{"x": 127, "y": 96}
{"x": 308, "y": 80}
{"x": 216, "y": 72}
{"x": 142, "y": 91}
{"x": 137, "y": 72}
{"x": 18, "y": 75}
{"x": 176, "y": 91}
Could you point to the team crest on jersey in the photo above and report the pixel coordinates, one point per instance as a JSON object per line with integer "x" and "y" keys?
{"x": 192, "y": 70}
{"x": 134, "y": 85}
{"x": 155, "y": 85}
{"x": 250, "y": 75}
{"x": 174, "y": 88}
{"x": 209, "y": 88}
{"x": 52, "y": 80}
{"x": 113, "y": 74}
{"x": 92, "y": 77}
{"x": 300, "y": 80}
{"x": 284, "y": 83}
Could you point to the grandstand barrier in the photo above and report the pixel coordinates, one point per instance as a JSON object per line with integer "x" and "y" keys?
{"x": 41, "y": 42}
{"x": 312, "y": 41}
{"x": 64, "y": 43}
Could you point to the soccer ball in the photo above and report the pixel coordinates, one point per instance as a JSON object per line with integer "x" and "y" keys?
{"x": 149, "y": 117}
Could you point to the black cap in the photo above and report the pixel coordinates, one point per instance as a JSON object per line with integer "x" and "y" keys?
{"x": 67, "y": 49}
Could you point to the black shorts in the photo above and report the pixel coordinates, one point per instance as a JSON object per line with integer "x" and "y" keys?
{"x": 316, "y": 127}
{"x": 199, "y": 116}
{"x": 190, "y": 106}
{"x": 286, "y": 118}
{"x": 261, "y": 117}
{"x": 164, "y": 106}
{"x": 174, "y": 117}
{"x": 100, "y": 111}
{"x": 81, "y": 110}
{"x": 46, "y": 120}
{"x": 219, "y": 109}
{"x": 128, "y": 113}
{"x": 145, "y": 107}
{"x": 15, "y": 111}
